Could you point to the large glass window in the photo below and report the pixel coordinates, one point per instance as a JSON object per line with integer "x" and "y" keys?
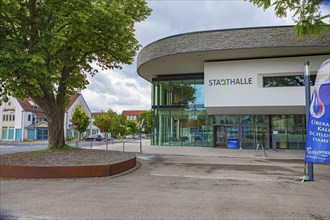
{"x": 284, "y": 81}
{"x": 179, "y": 116}
{"x": 290, "y": 131}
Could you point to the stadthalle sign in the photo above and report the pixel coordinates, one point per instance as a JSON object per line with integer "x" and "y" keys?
{"x": 236, "y": 87}
{"x": 227, "y": 82}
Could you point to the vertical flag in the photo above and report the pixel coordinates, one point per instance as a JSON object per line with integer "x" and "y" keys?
{"x": 142, "y": 123}
{"x": 318, "y": 125}
{"x": 141, "y": 127}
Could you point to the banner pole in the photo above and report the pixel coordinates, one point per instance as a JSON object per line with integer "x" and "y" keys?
{"x": 310, "y": 169}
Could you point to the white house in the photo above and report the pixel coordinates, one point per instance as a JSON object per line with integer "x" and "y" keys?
{"x": 25, "y": 120}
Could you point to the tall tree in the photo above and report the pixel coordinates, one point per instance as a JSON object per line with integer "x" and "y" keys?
{"x": 80, "y": 120}
{"x": 48, "y": 46}
{"x": 307, "y": 14}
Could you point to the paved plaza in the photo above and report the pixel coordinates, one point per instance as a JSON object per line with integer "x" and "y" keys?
{"x": 179, "y": 183}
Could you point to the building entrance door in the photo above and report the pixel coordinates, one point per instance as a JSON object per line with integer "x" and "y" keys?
{"x": 251, "y": 134}
{"x": 223, "y": 132}
{"x": 220, "y": 136}
{"x": 42, "y": 134}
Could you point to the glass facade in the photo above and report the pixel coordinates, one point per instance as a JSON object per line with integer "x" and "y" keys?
{"x": 179, "y": 116}
{"x": 180, "y": 119}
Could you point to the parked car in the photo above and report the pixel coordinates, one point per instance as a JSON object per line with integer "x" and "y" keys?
{"x": 94, "y": 137}
{"x": 129, "y": 136}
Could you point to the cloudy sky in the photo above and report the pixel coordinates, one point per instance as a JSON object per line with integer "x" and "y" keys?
{"x": 124, "y": 90}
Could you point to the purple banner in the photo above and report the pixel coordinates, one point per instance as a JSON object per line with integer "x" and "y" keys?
{"x": 318, "y": 125}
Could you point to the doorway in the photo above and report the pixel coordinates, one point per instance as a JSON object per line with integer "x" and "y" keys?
{"x": 222, "y": 133}
{"x": 252, "y": 134}
{"x": 42, "y": 133}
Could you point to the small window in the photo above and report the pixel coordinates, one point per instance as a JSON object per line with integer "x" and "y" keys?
{"x": 3, "y": 118}
{"x": 6, "y": 117}
{"x": 29, "y": 117}
{"x": 31, "y": 102}
{"x": 13, "y": 117}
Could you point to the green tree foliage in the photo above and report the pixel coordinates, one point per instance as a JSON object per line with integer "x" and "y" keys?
{"x": 111, "y": 122}
{"x": 131, "y": 127}
{"x": 180, "y": 93}
{"x": 146, "y": 115}
{"x": 103, "y": 121}
{"x": 307, "y": 14}
{"x": 47, "y": 48}
{"x": 80, "y": 120}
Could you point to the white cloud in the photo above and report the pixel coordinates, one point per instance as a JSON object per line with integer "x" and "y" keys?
{"x": 112, "y": 89}
{"x": 125, "y": 90}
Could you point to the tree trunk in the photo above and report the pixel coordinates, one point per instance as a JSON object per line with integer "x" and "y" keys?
{"x": 54, "y": 112}
{"x": 55, "y": 128}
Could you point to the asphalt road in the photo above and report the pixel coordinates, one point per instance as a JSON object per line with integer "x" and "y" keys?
{"x": 177, "y": 187}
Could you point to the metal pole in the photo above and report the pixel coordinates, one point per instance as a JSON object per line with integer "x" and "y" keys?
{"x": 123, "y": 146}
{"x": 141, "y": 140}
{"x": 310, "y": 171}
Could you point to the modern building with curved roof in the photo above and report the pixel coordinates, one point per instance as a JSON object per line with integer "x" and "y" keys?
{"x": 231, "y": 88}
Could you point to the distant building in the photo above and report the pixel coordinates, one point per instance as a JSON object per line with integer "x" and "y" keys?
{"x": 25, "y": 120}
{"x": 132, "y": 114}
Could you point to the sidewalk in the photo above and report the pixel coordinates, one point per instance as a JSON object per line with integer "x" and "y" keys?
{"x": 131, "y": 146}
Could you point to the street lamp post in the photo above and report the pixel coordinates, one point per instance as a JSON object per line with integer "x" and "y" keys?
{"x": 310, "y": 169}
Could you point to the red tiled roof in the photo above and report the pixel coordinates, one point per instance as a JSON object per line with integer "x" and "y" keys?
{"x": 133, "y": 112}
{"x": 29, "y": 105}
{"x": 97, "y": 113}
{"x": 72, "y": 98}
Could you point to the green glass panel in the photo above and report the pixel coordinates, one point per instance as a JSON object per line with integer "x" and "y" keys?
{"x": 232, "y": 119}
{"x": 279, "y": 124}
{"x": 248, "y": 138}
{"x": 207, "y": 136}
{"x": 296, "y": 131}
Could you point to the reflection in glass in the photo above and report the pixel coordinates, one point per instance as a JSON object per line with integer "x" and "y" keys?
{"x": 296, "y": 132}
{"x": 248, "y": 138}
{"x": 284, "y": 81}
{"x": 279, "y": 124}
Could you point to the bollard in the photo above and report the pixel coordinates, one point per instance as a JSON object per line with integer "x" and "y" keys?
{"x": 107, "y": 144}
{"x": 123, "y": 146}
{"x": 91, "y": 144}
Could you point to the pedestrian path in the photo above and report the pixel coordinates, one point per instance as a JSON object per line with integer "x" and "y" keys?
{"x": 147, "y": 148}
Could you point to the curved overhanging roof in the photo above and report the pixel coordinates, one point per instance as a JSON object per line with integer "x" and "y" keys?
{"x": 186, "y": 53}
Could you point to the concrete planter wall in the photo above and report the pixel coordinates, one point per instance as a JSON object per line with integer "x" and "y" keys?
{"x": 12, "y": 171}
